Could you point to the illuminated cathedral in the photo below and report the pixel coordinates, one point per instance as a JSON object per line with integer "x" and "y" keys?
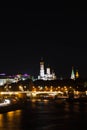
{"x": 48, "y": 75}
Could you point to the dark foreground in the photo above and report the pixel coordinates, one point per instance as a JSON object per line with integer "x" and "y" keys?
{"x": 46, "y": 115}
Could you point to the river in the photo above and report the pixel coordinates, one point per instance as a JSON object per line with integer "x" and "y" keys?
{"x": 46, "y": 115}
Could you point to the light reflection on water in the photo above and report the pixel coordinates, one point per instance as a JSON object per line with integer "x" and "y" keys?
{"x": 46, "y": 115}
{"x": 10, "y": 120}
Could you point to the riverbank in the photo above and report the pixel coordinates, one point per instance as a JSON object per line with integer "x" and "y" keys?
{"x": 12, "y": 107}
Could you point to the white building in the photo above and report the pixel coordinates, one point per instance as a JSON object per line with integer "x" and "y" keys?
{"x": 48, "y": 75}
{"x": 6, "y": 79}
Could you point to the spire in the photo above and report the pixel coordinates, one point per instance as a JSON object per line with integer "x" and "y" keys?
{"x": 77, "y": 74}
{"x": 72, "y": 74}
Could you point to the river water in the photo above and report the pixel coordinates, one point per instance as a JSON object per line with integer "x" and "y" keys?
{"x": 46, "y": 115}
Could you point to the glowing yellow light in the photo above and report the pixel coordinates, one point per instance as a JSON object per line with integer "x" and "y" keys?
{"x": 86, "y": 92}
{"x": 2, "y": 92}
{"x": 33, "y": 94}
{"x": 16, "y": 92}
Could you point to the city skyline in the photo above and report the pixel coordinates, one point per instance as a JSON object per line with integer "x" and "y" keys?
{"x": 48, "y": 70}
{"x": 57, "y": 36}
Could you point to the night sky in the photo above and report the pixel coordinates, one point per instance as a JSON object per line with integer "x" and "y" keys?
{"x": 60, "y": 37}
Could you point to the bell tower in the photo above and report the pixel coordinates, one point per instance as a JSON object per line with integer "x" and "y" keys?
{"x": 42, "y": 68}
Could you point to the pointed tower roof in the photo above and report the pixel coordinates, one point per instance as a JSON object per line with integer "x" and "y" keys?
{"x": 77, "y": 74}
{"x": 72, "y": 73}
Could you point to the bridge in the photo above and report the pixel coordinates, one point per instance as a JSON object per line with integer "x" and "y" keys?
{"x": 34, "y": 93}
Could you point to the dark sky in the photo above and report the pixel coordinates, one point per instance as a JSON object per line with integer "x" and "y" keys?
{"x": 60, "y": 37}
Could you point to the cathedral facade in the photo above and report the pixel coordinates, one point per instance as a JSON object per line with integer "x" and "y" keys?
{"x": 48, "y": 75}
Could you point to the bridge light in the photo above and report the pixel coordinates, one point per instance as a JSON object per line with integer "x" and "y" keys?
{"x": 34, "y": 94}
{"x": 16, "y": 93}
{"x": 2, "y": 93}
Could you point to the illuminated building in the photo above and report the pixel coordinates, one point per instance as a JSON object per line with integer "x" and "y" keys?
{"x": 6, "y": 79}
{"x": 48, "y": 75}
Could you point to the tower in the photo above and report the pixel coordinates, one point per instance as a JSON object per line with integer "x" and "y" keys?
{"x": 77, "y": 74}
{"x": 72, "y": 74}
{"x": 41, "y": 69}
{"x": 53, "y": 75}
{"x": 48, "y": 70}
